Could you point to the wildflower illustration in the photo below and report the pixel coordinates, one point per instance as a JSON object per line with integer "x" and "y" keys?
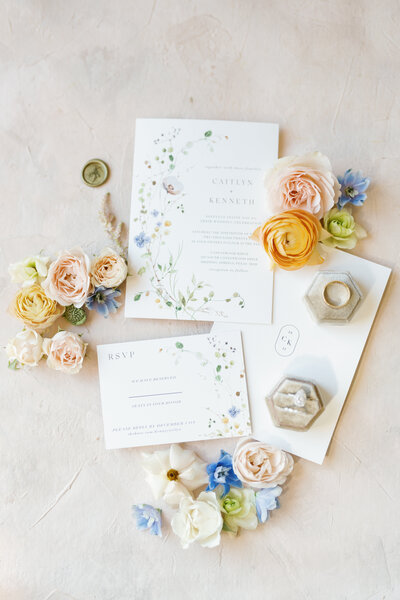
{"x": 161, "y": 196}
{"x": 219, "y": 365}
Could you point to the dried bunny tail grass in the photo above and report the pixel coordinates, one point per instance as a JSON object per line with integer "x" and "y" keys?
{"x": 112, "y": 227}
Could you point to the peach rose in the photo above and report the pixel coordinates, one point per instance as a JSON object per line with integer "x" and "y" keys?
{"x": 109, "y": 269}
{"x": 68, "y": 280}
{"x": 302, "y": 182}
{"x": 35, "y": 308}
{"x": 260, "y": 465}
{"x": 290, "y": 239}
{"x": 65, "y": 352}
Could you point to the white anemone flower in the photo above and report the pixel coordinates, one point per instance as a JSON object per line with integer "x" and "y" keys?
{"x": 173, "y": 473}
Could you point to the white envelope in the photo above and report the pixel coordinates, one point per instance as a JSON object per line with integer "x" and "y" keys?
{"x": 326, "y": 354}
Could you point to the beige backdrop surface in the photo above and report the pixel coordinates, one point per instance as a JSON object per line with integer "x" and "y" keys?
{"x": 74, "y": 76}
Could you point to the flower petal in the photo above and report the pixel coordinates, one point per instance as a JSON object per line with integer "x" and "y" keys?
{"x": 174, "y": 493}
{"x": 158, "y": 484}
{"x": 194, "y": 476}
{"x": 360, "y": 231}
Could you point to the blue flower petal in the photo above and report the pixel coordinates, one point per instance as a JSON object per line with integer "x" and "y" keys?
{"x": 211, "y": 468}
{"x": 102, "y": 309}
{"x": 266, "y": 500}
{"x": 147, "y": 517}
{"x": 359, "y": 199}
{"x": 343, "y": 200}
{"x": 234, "y": 481}
{"x": 349, "y": 177}
{"x": 362, "y": 185}
{"x": 212, "y": 485}
{"x": 222, "y": 473}
{"x": 141, "y": 523}
{"x": 155, "y": 529}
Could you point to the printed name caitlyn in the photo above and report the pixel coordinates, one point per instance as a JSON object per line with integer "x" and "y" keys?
{"x": 231, "y": 181}
{"x": 119, "y": 355}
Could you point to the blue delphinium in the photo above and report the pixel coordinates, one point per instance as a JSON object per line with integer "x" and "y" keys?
{"x": 267, "y": 500}
{"x": 141, "y": 239}
{"x": 147, "y": 517}
{"x": 233, "y": 411}
{"x": 352, "y": 188}
{"x": 222, "y": 473}
{"x": 103, "y": 300}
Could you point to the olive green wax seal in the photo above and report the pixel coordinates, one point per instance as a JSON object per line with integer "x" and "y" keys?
{"x": 95, "y": 172}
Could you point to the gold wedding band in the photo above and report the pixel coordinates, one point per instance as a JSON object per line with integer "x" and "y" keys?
{"x": 329, "y": 296}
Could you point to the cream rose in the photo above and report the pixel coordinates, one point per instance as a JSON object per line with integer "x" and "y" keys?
{"x": 68, "y": 280}
{"x": 198, "y": 521}
{"x": 26, "y": 348}
{"x": 260, "y": 465}
{"x": 65, "y": 352}
{"x": 302, "y": 182}
{"x": 108, "y": 269}
{"x": 29, "y": 271}
{"x": 35, "y": 308}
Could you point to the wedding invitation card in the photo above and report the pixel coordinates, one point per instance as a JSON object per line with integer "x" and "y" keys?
{"x": 296, "y": 346}
{"x": 173, "y": 390}
{"x": 197, "y": 196}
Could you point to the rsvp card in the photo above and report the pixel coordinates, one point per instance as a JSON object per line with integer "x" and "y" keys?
{"x": 197, "y": 196}
{"x": 173, "y": 390}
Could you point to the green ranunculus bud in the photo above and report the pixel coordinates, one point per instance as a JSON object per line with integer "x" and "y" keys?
{"x": 343, "y": 232}
{"x": 238, "y": 509}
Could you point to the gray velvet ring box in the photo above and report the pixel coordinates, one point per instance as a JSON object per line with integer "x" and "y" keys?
{"x": 294, "y": 404}
{"x": 333, "y": 297}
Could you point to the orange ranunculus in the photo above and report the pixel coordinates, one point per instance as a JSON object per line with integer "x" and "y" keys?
{"x": 290, "y": 239}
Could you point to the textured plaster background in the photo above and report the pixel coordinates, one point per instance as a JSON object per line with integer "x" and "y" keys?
{"x": 74, "y": 76}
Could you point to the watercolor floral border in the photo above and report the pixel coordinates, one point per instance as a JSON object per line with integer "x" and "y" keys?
{"x": 160, "y": 195}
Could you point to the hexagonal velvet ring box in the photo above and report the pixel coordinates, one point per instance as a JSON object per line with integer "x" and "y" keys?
{"x": 333, "y": 297}
{"x": 294, "y": 404}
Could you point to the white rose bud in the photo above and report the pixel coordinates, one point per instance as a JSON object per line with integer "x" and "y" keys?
{"x": 198, "y": 521}
{"x": 26, "y": 348}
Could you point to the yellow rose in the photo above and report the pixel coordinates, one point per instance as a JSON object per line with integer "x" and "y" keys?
{"x": 35, "y": 309}
{"x": 290, "y": 239}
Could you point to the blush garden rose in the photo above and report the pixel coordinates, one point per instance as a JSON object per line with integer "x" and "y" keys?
{"x": 109, "y": 269}
{"x": 68, "y": 280}
{"x": 65, "y": 352}
{"x": 302, "y": 182}
{"x": 261, "y": 465}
